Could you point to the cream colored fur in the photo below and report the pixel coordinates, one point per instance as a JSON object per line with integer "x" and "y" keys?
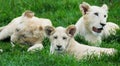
{"x": 26, "y": 29}
{"x": 93, "y": 26}
{"x": 1, "y": 28}
{"x": 62, "y": 40}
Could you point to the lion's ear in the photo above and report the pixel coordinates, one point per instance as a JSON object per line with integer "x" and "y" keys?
{"x": 71, "y": 30}
{"x": 104, "y": 6}
{"x": 84, "y": 7}
{"x": 49, "y": 30}
{"x": 28, "y": 14}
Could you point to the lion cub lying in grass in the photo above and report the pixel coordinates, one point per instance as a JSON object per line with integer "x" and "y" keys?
{"x": 62, "y": 40}
{"x": 26, "y": 29}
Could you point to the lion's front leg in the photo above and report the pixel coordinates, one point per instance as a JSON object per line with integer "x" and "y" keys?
{"x": 35, "y": 47}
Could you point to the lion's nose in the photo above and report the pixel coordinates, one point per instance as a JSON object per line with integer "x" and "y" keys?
{"x": 102, "y": 24}
{"x": 59, "y": 46}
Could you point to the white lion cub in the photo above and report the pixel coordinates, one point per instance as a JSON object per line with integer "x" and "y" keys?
{"x": 92, "y": 25}
{"x": 26, "y": 29}
{"x": 62, "y": 40}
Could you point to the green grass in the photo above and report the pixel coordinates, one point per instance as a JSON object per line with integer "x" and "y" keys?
{"x": 61, "y": 13}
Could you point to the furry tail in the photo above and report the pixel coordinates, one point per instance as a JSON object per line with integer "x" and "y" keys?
{"x": 1, "y": 28}
{"x": 110, "y": 29}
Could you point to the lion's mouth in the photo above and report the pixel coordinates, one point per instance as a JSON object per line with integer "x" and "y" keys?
{"x": 97, "y": 30}
{"x": 58, "y": 49}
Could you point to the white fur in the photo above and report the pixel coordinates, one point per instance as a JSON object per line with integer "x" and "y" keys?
{"x": 35, "y": 47}
{"x": 109, "y": 29}
{"x": 89, "y": 20}
{"x": 9, "y": 29}
{"x": 70, "y": 46}
{"x": 26, "y": 29}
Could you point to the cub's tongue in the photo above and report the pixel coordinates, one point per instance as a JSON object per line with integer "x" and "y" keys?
{"x": 98, "y": 30}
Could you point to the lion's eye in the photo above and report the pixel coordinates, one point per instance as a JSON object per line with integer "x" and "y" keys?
{"x": 104, "y": 15}
{"x": 17, "y": 30}
{"x": 23, "y": 36}
{"x": 96, "y": 14}
{"x": 64, "y": 38}
{"x": 55, "y": 37}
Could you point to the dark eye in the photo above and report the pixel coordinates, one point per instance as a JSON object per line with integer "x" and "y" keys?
{"x": 55, "y": 37}
{"x": 64, "y": 38}
{"x": 104, "y": 15}
{"x": 23, "y": 36}
{"x": 96, "y": 14}
{"x": 17, "y": 30}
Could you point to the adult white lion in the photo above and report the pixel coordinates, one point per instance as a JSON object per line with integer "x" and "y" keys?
{"x": 92, "y": 25}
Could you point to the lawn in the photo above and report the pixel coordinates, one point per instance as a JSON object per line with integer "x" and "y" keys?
{"x": 61, "y": 13}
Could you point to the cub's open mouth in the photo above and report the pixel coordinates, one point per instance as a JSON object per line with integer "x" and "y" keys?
{"x": 97, "y": 30}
